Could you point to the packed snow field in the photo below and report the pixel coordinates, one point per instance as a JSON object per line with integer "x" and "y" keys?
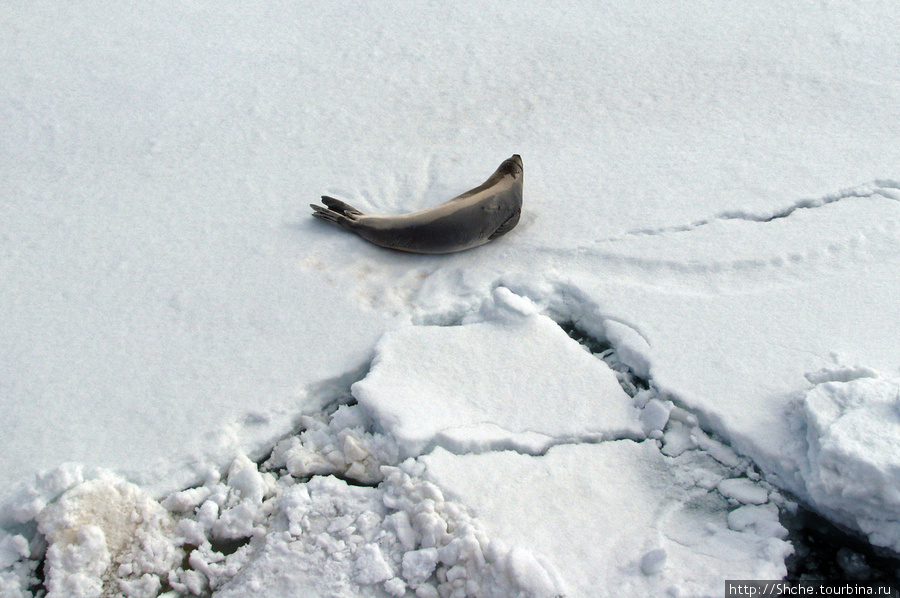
{"x": 690, "y": 335}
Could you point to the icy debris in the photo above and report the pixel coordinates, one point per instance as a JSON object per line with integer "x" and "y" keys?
{"x": 624, "y": 374}
{"x": 503, "y": 305}
{"x": 632, "y": 349}
{"x": 678, "y": 438}
{"x": 339, "y": 444}
{"x": 371, "y": 567}
{"x": 12, "y": 549}
{"x": 850, "y": 461}
{"x": 217, "y": 535}
{"x": 744, "y": 490}
{"x": 684, "y": 416}
{"x": 401, "y": 525}
{"x": 696, "y": 470}
{"x": 401, "y": 536}
{"x": 17, "y": 569}
{"x": 186, "y": 500}
{"x": 760, "y": 519}
{"x": 655, "y": 415}
{"x": 243, "y": 511}
{"x": 720, "y": 452}
{"x": 451, "y": 548}
{"x": 418, "y": 565}
{"x": 642, "y": 397}
{"x": 246, "y": 483}
{"x": 106, "y": 536}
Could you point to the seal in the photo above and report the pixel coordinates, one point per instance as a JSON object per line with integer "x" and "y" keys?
{"x": 483, "y": 214}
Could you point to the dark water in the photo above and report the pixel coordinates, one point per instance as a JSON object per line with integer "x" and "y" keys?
{"x": 824, "y": 551}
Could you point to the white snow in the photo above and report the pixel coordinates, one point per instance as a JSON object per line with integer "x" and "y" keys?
{"x": 711, "y": 190}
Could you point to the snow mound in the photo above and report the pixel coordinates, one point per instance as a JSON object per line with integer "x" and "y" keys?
{"x": 852, "y": 463}
{"x": 507, "y": 378}
{"x": 106, "y": 537}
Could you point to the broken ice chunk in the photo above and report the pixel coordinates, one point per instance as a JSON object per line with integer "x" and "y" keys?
{"x": 744, "y": 491}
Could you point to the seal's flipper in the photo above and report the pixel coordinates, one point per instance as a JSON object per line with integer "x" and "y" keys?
{"x": 507, "y": 226}
{"x": 340, "y": 207}
{"x": 342, "y": 220}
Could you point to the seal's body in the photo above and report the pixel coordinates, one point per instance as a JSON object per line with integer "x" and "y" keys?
{"x": 486, "y": 212}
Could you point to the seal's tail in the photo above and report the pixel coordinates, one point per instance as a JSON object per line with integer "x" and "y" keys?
{"x": 336, "y": 212}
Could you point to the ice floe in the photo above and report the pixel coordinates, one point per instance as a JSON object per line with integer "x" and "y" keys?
{"x": 513, "y": 379}
{"x": 849, "y": 426}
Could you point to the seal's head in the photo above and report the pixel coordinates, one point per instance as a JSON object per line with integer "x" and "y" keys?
{"x": 512, "y": 166}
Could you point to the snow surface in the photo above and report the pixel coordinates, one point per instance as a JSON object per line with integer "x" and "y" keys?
{"x": 712, "y": 197}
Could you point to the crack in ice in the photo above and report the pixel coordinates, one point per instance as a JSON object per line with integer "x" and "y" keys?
{"x": 887, "y": 189}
